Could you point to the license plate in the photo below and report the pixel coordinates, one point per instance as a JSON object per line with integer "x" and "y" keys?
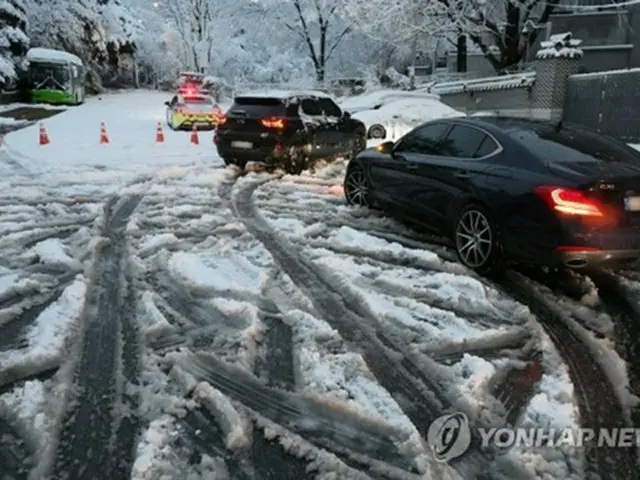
{"x": 632, "y": 204}
{"x": 242, "y": 144}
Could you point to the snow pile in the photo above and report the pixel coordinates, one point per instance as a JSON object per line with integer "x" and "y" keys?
{"x": 47, "y": 339}
{"x": 561, "y": 45}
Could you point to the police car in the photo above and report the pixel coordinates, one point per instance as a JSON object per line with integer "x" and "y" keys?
{"x": 193, "y": 108}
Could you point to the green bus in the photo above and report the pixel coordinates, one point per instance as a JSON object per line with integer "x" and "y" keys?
{"x": 55, "y": 77}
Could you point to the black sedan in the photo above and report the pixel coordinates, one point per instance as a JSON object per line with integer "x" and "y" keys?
{"x": 509, "y": 190}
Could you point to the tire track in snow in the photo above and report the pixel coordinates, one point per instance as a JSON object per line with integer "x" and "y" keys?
{"x": 16, "y": 459}
{"x": 275, "y": 365}
{"x": 14, "y": 325}
{"x": 596, "y": 397}
{"x": 624, "y": 309}
{"x": 86, "y": 443}
{"x": 424, "y": 402}
{"x": 324, "y": 425}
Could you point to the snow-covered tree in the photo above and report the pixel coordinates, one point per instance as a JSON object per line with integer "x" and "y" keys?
{"x": 13, "y": 39}
{"x": 317, "y": 23}
{"x": 495, "y": 26}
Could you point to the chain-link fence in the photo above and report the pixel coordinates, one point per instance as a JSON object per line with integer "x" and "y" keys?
{"x": 608, "y": 102}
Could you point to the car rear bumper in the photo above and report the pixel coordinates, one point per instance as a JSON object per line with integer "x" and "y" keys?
{"x": 576, "y": 257}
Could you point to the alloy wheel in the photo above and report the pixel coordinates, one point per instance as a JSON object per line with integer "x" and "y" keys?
{"x": 474, "y": 239}
{"x": 356, "y": 188}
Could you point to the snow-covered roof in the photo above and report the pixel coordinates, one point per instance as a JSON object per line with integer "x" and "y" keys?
{"x": 561, "y": 45}
{"x": 38, "y": 54}
{"x": 284, "y": 94}
{"x": 502, "y": 82}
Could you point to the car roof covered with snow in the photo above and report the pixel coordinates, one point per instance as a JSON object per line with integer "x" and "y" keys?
{"x": 377, "y": 99}
{"x": 38, "y": 54}
{"x": 284, "y": 94}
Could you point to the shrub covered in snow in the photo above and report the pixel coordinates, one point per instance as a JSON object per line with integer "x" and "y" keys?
{"x": 14, "y": 42}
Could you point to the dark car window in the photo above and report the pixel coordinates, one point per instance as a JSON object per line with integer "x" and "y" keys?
{"x": 425, "y": 140}
{"x": 198, "y": 100}
{"x": 573, "y": 146}
{"x": 311, "y": 107}
{"x": 258, "y": 107}
{"x": 463, "y": 142}
{"x": 329, "y": 107}
{"x": 487, "y": 147}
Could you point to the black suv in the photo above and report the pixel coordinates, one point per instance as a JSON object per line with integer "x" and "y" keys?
{"x": 288, "y": 129}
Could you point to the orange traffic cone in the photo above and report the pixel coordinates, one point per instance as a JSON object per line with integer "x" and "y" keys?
{"x": 194, "y": 136}
{"x": 104, "y": 138}
{"x": 159, "y": 133}
{"x": 44, "y": 136}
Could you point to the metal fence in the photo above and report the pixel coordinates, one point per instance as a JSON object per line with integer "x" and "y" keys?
{"x": 608, "y": 102}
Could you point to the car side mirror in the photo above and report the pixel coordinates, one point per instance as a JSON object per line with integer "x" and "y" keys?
{"x": 168, "y": 104}
{"x": 386, "y": 148}
{"x": 346, "y": 114}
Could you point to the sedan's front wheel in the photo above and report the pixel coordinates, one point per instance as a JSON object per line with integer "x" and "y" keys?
{"x": 476, "y": 240}
{"x": 356, "y": 187}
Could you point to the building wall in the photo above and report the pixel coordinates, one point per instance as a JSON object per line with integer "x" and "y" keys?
{"x": 611, "y": 39}
{"x": 607, "y": 102}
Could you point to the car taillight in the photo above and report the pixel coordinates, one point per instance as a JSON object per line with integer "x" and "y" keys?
{"x": 221, "y": 119}
{"x": 569, "y": 201}
{"x": 277, "y": 123}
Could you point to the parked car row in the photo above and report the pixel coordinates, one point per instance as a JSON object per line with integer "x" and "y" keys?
{"x": 503, "y": 190}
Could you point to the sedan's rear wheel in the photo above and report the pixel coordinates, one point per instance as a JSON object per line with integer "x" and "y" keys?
{"x": 356, "y": 187}
{"x": 477, "y": 242}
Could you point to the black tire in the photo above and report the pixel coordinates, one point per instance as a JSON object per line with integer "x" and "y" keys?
{"x": 296, "y": 162}
{"x": 356, "y": 187}
{"x": 477, "y": 240}
{"x": 377, "y": 132}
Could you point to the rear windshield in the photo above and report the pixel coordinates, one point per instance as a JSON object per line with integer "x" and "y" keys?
{"x": 255, "y": 106}
{"x": 574, "y": 146}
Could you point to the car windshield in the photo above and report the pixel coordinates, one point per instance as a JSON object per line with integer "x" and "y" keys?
{"x": 573, "y": 146}
{"x": 52, "y": 76}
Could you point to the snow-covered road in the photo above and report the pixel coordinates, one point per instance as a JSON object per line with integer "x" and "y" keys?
{"x": 164, "y": 317}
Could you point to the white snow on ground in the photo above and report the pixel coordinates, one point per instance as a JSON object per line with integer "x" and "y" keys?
{"x": 158, "y": 459}
{"x": 46, "y": 340}
{"x": 130, "y": 118}
{"x": 52, "y": 252}
{"x": 195, "y": 259}
{"x": 421, "y": 302}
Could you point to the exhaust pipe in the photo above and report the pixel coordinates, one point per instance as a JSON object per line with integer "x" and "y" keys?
{"x": 576, "y": 263}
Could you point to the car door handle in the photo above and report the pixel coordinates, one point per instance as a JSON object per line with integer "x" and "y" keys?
{"x": 462, "y": 174}
{"x": 411, "y": 166}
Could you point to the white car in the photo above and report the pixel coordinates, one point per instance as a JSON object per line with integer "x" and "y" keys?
{"x": 390, "y": 114}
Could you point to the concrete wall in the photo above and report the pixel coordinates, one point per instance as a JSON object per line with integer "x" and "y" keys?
{"x": 608, "y": 101}
{"x": 539, "y": 94}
